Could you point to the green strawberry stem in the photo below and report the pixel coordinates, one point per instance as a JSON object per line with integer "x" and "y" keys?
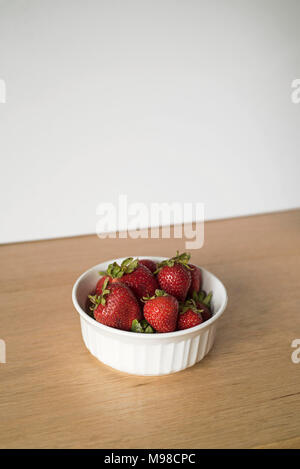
{"x": 97, "y": 300}
{"x": 189, "y": 305}
{"x": 102, "y": 273}
{"x": 136, "y": 326}
{"x": 201, "y": 298}
{"x": 178, "y": 259}
{"x": 157, "y": 294}
{"x": 207, "y": 299}
{"x": 142, "y": 327}
{"x": 127, "y": 267}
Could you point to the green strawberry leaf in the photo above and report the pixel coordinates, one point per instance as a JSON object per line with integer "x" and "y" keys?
{"x": 141, "y": 327}
{"x": 144, "y": 323}
{"x": 130, "y": 265}
{"x": 160, "y": 293}
{"x": 207, "y": 299}
{"x": 189, "y": 304}
{"x": 157, "y": 293}
{"x": 136, "y": 326}
{"x": 201, "y": 296}
{"x": 102, "y": 273}
{"x": 126, "y": 262}
{"x": 114, "y": 270}
{"x": 195, "y": 295}
{"x": 127, "y": 267}
{"x": 96, "y": 300}
{"x": 178, "y": 259}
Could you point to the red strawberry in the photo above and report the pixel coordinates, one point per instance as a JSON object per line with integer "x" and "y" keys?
{"x": 189, "y": 318}
{"x": 205, "y": 311}
{"x": 138, "y": 277}
{"x": 116, "y": 306}
{"x": 151, "y": 265}
{"x": 196, "y": 279}
{"x": 101, "y": 282}
{"x": 161, "y": 311}
{"x": 174, "y": 277}
{"x": 203, "y": 303}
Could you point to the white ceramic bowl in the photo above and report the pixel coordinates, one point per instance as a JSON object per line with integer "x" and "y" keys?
{"x": 147, "y": 354}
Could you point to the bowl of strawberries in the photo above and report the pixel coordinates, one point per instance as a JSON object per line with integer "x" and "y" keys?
{"x": 149, "y": 315}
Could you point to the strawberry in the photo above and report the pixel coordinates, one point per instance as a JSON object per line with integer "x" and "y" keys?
{"x": 174, "y": 276}
{"x": 203, "y": 302}
{"x": 196, "y": 279}
{"x": 161, "y": 311}
{"x": 205, "y": 311}
{"x": 152, "y": 266}
{"x": 136, "y": 276}
{"x": 190, "y": 316}
{"x": 116, "y": 306}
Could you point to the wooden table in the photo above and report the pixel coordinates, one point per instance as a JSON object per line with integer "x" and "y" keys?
{"x": 245, "y": 393}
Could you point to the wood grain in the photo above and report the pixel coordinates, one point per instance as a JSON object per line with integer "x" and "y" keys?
{"x": 245, "y": 393}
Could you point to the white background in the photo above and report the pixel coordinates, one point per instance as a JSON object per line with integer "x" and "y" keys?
{"x": 162, "y": 100}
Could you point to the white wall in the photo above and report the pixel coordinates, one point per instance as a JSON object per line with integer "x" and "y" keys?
{"x": 162, "y": 100}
